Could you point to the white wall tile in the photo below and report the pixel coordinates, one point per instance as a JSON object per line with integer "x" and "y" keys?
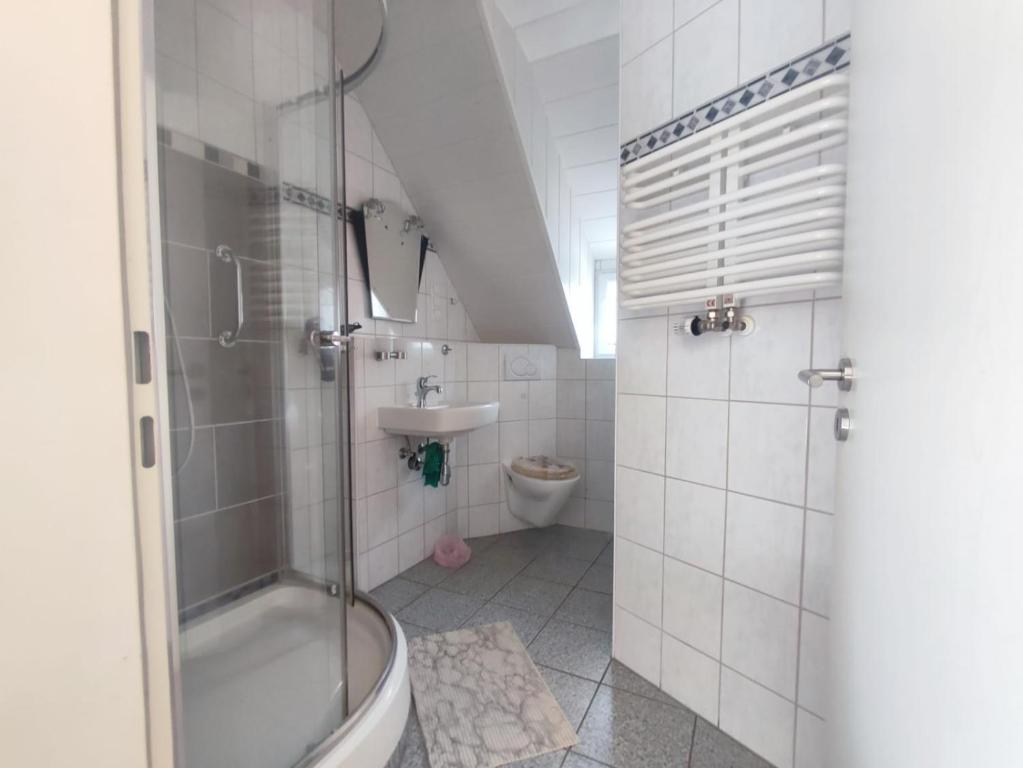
{"x": 410, "y": 507}
{"x": 837, "y": 18}
{"x": 572, "y": 399}
{"x": 602, "y": 369}
{"x": 571, "y": 438}
{"x": 224, "y": 50}
{"x": 697, "y": 434}
{"x": 381, "y": 466}
{"x": 514, "y": 401}
{"x": 637, "y": 645}
{"x": 695, "y": 600}
{"x": 600, "y": 515}
{"x": 599, "y": 479}
{"x": 484, "y": 520}
{"x": 764, "y": 546}
{"x": 514, "y": 440}
{"x": 410, "y": 548}
{"x": 226, "y": 118}
{"x": 827, "y": 346}
{"x": 758, "y": 718}
{"x": 543, "y": 437}
{"x": 643, "y": 24}
{"x": 772, "y": 33}
{"x": 382, "y": 564}
{"x": 646, "y": 90}
{"x": 706, "y": 52}
{"x": 690, "y": 676}
{"x": 177, "y": 95}
{"x": 600, "y": 440}
{"x": 483, "y": 480}
{"x": 638, "y": 579}
{"x": 813, "y": 664}
{"x": 483, "y": 445}
{"x": 642, "y": 355}
{"x": 758, "y": 431}
{"x": 639, "y": 504}
{"x": 687, "y": 10}
{"x": 698, "y": 367}
{"x": 542, "y": 399}
{"x": 759, "y": 638}
{"x": 811, "y": 745}
{"x": 641, "y": 425}
{"x": 600, "y": 400}
{"x": 483, "y": 362}
{"x": 817, "y": 563}
{"x": 382, "y": 517}
{"x": 765, "y": 363}
{"x": 546, "y": 357}
{"x": 694, "y": 524}
{"x": 823, "y": 455}
{"x": 570, "y": 365}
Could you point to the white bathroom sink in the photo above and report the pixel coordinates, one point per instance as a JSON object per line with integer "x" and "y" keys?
{"x": 441, "y": 420}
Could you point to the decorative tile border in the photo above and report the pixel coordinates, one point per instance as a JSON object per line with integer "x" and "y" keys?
{"x": 200, "y": 150}
{"x": 830, "y": 57}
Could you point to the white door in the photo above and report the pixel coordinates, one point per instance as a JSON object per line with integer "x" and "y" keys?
{"x": 928, "y": 636}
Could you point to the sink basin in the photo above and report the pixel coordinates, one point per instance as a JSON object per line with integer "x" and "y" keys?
{"x": 441, "y": 420}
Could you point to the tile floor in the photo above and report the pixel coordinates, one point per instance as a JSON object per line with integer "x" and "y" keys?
{"x": 554, "y": 586}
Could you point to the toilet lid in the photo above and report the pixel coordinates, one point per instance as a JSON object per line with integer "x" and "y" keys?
{"x": 543, "y": 468}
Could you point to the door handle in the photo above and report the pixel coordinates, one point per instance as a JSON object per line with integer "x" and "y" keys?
{"x": 843, "y": 375}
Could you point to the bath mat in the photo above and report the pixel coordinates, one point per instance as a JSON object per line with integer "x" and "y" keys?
{"x": 481, "y": 702}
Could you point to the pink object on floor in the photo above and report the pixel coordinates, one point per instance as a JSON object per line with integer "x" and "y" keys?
{"x": 451, "y": 552}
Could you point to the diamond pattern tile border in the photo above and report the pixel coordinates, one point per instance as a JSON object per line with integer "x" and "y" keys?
{"x": 830, "y": 57}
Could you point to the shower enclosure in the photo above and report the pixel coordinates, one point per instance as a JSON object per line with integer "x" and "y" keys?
{"x": 274, "y": 654}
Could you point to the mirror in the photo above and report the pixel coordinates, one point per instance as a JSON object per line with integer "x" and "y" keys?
{"x": 358, "y": 35}
{"x": 393, "y": 250}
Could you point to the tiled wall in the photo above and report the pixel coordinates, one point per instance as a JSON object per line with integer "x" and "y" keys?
{"x": 725, "y": 461}
{"x": 586, "y": 436}
{"x": 397, "y": 518}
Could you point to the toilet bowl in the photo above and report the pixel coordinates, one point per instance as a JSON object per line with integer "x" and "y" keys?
{"x": 537, "y": 487}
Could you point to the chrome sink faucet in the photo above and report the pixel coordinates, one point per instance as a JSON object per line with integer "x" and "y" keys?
{"x": 423, "y": 389}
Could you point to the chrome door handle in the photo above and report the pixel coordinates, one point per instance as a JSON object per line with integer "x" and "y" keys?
{"x": 225, "y": 254}
{"x": 328, "y": 338}
{"x": 843, "y": 375}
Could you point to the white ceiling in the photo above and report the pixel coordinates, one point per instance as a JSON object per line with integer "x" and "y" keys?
{"x": 437, "y": 104}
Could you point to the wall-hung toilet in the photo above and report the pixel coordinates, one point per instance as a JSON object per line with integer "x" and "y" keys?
{"x": 538, "y": 487}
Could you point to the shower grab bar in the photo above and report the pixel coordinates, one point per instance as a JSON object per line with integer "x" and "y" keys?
{"x": 227, "y": 339}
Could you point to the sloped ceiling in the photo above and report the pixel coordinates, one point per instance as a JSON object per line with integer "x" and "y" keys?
{"x": 437, "y": 104}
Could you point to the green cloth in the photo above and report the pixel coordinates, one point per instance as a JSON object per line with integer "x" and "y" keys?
{"x": 433, "y": 460}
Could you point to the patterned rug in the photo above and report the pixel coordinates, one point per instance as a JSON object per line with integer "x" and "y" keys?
{"x": 480, "y": 700}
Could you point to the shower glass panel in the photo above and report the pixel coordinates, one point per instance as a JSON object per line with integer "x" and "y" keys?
{"x": 257, "y": 415}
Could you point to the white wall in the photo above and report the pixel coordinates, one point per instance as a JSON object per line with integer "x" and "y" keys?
{"x": 398, "y": 519}
{"x": 724, "y": 488}
{"x": 70, "y": 652}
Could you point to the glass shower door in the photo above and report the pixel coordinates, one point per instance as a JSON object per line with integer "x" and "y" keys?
{"x": 248, "y": 201}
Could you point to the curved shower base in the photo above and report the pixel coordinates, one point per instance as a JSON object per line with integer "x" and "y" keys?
{"x": 267, "y": 669}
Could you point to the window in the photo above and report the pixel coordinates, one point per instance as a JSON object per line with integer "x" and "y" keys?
{"x": 605, "y": 308}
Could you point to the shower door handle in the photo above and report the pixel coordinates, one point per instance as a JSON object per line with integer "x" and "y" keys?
{"x": 225, "y": 254}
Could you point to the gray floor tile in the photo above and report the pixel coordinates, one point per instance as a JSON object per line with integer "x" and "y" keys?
{"x": 397, "y": 593}
{"x": 479, "y": 578}
{"x": 440, "y": 610}
{"x": 526, "y": 624}
{"x": 598, "y": 578}
{"x": 427, "y": 572}
{"x": 414, "y": 630}
{"x": 535, "y": 539}
{"x": 506, "y": 557}
{"x": 580, "y": 543}
{"x": 607, "y": 556}
{"x": 533, "y": 595}
{"x": 625, "y": 730}
{"x": 591, "y": 609}
{"x": 574, "y": 694}
{"x": 550, "y": 760}
{"x": 578, "y": 761}
{"x": 621, "y": 677}
{"x": 714, "y": 749}
{"x": 570, "y": 648}
{"x": 552, "y": 566}
{"x": 482, "y": 543}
